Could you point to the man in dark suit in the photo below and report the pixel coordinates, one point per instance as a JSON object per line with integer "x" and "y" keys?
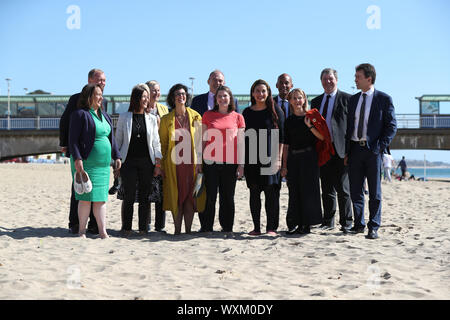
{"x": 332, "y": 105}
{"x": 94, "y": 76}
{"x": 284, "y": 86}
{"x": 371, "y": 126}
{"x": 205, "y": 102}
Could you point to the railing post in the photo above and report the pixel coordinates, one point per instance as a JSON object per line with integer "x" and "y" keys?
{"x": 38, "y": 127}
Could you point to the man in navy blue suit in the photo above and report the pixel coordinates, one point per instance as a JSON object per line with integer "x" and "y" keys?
{"x": 205, "y": 102}
{"x": 371, "y": 126}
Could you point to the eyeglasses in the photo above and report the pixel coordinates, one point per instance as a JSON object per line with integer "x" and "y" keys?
{"x": 178, "y": 94}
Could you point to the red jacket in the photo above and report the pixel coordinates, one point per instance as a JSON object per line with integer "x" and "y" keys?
{"x": 324, "y": 147}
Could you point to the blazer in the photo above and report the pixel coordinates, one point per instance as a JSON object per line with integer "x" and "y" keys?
{"x": 64, "y": 122}
{"x": 162, "y": 109}
{"x": 381, "y": 126}
{"x": 82, "y": 135}
{"x": 338, "y": 119}
{"x": 200, "y": 103}
{"x": 275, "y": 101}
{"x": 123, "y": 135}
{"x": 324, "y": 147}
{"x": 167, "y": 136}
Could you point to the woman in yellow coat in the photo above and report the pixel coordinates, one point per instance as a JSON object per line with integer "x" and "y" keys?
{"x": 181, "y": 146}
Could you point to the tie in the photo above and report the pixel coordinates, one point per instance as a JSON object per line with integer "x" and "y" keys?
{"x": 285, "y": 109}
{"x": 325, "y": 107}
{"x": 361, "y": 117}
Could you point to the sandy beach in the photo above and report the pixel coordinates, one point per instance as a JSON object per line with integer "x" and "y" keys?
{"x": 39, "y": 259}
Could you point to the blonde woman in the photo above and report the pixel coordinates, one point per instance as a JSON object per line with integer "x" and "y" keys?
{"x": 300, "y": 165}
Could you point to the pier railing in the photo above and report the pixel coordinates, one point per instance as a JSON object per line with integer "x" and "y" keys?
{"x": 404, "y": 121}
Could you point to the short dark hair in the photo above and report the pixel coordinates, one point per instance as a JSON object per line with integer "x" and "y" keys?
{"x": 328, "y": 71}
{"x": 136, "y": 95}
{"x": 85, "y": 96}
{"x": 92, "y": 72}
{"x": 368, "y": 69}
{"x": 171, "y": 95}
{"x": 231, "y": 106}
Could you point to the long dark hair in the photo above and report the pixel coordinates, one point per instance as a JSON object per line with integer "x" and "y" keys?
{"x": 231, "y": 106}
{"x": 85, "y": 96}
{"x": 171, "y": 95}
{"x": 269, "y": 101}
{"x": 136, "y": 95}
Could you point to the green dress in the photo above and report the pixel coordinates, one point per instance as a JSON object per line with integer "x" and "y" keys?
{"x": 97, "y": 165}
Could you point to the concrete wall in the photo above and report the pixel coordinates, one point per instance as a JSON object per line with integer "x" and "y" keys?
{"x": 429, "y": 139}
{"x": 23, "y": 143}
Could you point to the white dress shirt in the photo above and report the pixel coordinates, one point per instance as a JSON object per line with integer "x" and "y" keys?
{"x": 210, "y": 100}
{"x": 369, "y": 99}
{"x": 330, "y": 109}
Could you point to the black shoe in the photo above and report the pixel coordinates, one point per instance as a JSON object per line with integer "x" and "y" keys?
{"x": 326, "y": 226}
{"x": 303, "y": 230}
{"x": 74, "y": 229}
{"x": 204, "y": 230}
{"x": 161, "y": 230}
{"x": 113, "y": 190}
{"x": 292, "y": 231}
{"x": 357, "y": 230}
{"x": 345, "y": 230}
{"x": 372, "y": 234}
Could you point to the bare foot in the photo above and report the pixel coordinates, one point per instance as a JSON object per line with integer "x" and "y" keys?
{"x": 82, "y": 235}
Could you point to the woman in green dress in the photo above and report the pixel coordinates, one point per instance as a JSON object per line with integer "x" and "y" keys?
{"x": 92, "y": 144}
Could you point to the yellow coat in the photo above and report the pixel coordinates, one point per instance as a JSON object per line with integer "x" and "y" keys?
{"x": 167, "y": 137}
{"x": 162, "y": 109}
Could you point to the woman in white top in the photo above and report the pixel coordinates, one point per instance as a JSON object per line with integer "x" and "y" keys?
{"x": 138, "y": 141}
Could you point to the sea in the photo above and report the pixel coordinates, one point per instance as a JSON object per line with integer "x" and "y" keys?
{"x": 430, "y": 172}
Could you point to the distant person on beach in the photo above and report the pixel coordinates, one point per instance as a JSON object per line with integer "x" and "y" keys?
{"x": 332, "y": 105}
{"x": 284, "y": 86}
{"x": 300, "y": 164}
{"x": 264, "y": 119}
{"x": 388, "y": 161}
{"x": 403, "y": 167}
{"x": 92, "y": 145}
{"x": 138, "y": 141}
{"x": 221, "y": 164}
{"x": 371, "y": 126}
{"x": 179, "y": 132}
{"x": 95, "y": 76}
{"x": 205, "y": 102}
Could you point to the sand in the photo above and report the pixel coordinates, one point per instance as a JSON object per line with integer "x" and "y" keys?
{"x": 39, "y": 259}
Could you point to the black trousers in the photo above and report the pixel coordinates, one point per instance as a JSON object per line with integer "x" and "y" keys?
{"x": 73, "y": 213}
{"x": 222, "y": 178}
{"x": 160, "y": 215}
{"x": 334, "y": 179}
{"x": 140, "y": 171}
{"x": 272, "y": 206}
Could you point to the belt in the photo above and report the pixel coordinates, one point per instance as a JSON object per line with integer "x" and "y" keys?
{"x": 300, "y": 150}
{"x": 362, "y": 143}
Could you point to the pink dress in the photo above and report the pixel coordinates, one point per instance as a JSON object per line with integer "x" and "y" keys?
{"x": 185, "y": 171}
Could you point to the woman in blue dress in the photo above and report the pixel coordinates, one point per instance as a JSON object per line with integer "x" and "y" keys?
{"x": 92, "y": 144}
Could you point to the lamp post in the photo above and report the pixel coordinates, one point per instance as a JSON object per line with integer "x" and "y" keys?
{"x": 192, "y": 85}
{"x": 9, "y": 103}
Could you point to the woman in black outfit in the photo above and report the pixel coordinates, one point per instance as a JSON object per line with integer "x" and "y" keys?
{"x": 300, "y": 165}
{"x": 138, "y": 140}
{"x": 262, "y": 167}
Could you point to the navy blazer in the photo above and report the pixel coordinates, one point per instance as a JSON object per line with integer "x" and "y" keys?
{"x": 200, "y": 103}
{"x": 381, "y": 125}
{"x": 82, "y": 135}
{"x": 64, "y": 122}
{"x": 338, "y": 119}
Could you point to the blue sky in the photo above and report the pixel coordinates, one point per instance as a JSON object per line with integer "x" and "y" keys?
{"x": 172, "y": 40}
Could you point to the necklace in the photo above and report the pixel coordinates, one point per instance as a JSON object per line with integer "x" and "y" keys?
{"x": 182, "y": 117}
{"x": 138, "y": 126}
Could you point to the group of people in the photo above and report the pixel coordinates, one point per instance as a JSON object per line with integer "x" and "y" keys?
{"x": 200, "y": 149}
